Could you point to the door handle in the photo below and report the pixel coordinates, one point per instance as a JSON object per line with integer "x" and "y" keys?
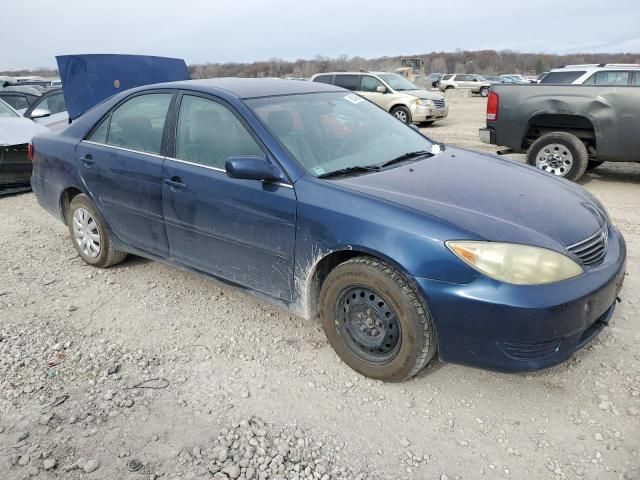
{"x": 88, "y": 160}
{"x": 175, "y": 183}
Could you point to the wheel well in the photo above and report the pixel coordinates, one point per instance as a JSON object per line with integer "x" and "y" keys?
{"x": 65, "y": 200}
{"x": 398, "y": 105}
{"x": 325, "y": 266}
{"x": 577, "y": 125}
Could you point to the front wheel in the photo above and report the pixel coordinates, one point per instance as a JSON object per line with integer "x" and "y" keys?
{"x": 402, "y": 113}
{"x": 484, "y": 92}
{"x": 559, "y": 153}
{"x": 90, "y": 235}
{"x": 375, "y": 320}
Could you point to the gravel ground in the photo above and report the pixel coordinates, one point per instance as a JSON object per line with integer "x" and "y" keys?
{"x": 147, "y": 372}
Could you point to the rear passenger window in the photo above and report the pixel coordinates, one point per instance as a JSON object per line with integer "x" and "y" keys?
{"x": 447, "y": 76}
{"x": 209, "y": 133}
{"x": 324, "y": 79}
{"x": 608, "y": 78}
{"x": 561, "y": 78}
{"x": 138, "y": 123}
{"x": 350, "y": 82}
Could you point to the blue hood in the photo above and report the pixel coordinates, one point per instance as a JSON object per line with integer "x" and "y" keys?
{"x": 497, "y": 199}
{"x": 89, "y": 79}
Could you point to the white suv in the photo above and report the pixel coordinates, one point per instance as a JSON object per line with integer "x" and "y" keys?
{"x": 595, "y": 74}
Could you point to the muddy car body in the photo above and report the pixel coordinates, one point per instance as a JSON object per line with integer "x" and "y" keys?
{"x": 307, "y": 195}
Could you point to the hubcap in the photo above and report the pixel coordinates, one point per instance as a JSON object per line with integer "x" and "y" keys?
{"x": 555, "y": 158}
{"x": 400, "y": 115}
{"x": 369, "y": 323}
{"x": 85, "y": 231}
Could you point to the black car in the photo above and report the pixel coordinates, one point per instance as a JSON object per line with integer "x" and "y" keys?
{"x": 18, "y": 100}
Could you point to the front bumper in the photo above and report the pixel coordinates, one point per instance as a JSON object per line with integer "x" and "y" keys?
{"x": 487, "y": 135}
{"x": 513, "y": 328}
{"x": 429, "y": 114}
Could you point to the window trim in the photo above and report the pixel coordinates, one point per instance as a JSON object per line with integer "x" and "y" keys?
{"x": 163, "y": 142}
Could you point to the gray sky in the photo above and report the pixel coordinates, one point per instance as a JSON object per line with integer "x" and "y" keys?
{"x": 32, "y": 32}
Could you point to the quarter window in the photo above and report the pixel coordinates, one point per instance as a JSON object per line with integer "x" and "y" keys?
{"x": 209, "y": 133}
{"x": 350, "y": 82}
{"x": 138, "y": 123}
{"x": 370, "y": 84}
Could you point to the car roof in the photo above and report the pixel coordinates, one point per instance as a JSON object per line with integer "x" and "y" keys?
{"x": 253, "y": 87}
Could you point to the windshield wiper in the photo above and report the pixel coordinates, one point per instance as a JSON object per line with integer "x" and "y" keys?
{"x": 406, "y": 156}
{"x": 350, "y": 170}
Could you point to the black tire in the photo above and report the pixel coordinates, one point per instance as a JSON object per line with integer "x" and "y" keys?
{"x": 594, "y": 164}
{"x": 402, "y": 113}
{"x": 573, "y": 145}
{"x": 395, "y": 302}
{"x": 484, "y": 92}
{"x": 107, "y": 255}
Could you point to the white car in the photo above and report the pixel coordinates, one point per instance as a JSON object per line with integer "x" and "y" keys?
{"x": 475, "y": 83}
{"x": 595, "y": 74}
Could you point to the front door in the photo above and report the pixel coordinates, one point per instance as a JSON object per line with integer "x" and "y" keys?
{"x": 240, "y": 230}
{"x": 121, "y": 166}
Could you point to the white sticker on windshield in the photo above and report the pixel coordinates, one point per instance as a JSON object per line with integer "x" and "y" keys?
{"x": 435, "y": 148}
{"x": 353, "y": 98}
{"x": 318, "y": 170}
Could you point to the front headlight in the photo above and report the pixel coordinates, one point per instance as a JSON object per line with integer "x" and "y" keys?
{"x": 423, "y": 102}
{"x": 515, "y": 263}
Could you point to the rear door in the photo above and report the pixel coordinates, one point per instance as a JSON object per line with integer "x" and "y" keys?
{"x": 240, "y": 230}
{"x": 121, "y": 164}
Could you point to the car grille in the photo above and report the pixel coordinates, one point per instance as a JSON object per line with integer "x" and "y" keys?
{"x": 531, "y": 351}
{"x": 440, "y": 103}
{"x": 593, "y": 249}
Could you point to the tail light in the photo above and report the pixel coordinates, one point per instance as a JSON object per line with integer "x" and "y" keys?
{"x": 492, "y": 106}
{"x": 30, "y": 151}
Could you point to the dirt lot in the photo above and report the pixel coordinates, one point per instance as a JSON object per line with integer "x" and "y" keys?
{"x": 239, "y": 389}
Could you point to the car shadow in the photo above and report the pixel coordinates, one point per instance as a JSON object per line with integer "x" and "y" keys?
{"x": 613, "y": 173}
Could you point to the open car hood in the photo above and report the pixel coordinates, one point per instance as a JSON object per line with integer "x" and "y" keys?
{"x": 89, "y": 79}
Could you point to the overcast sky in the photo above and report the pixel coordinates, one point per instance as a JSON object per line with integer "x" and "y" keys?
{"x": 32, "y": 32}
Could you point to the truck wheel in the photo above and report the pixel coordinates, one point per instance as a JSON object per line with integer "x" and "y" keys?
{"x": 375, "y": 321}
{"x": 89, "y": 234}
{"x": 484, "y": 92}
{"x": 594, "y": 164}
{"x": 559, "y": 153}
{"x": 402, "y": 113}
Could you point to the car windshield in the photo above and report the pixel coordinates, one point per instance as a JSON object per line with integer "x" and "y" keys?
{"x": 397, "y": 82}
{"x": 6, "y": 111}
{"x": 328, "y": 132}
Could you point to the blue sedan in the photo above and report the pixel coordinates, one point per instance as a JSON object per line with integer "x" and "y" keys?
{"x": 313, "y": 198}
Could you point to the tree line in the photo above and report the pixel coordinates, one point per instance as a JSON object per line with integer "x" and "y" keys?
{"x": 459, "y": 61}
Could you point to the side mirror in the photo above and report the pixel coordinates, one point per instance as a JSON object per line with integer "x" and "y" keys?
{"x": 40, "y": 113}
{"x": 381, "y": 89}
{"x": 251, "y": 168}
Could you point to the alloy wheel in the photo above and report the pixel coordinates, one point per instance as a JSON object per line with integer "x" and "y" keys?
{"x": 555, "y": 158}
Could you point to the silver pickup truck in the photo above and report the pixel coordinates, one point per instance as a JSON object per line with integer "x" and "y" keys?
{"x": 565, "y": 129}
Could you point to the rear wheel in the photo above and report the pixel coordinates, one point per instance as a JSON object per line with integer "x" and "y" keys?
{"x": 375, "y": 320}
{"x": 89, "y": 234}
{"x": 559, "y": 153}
{"x": 402, "y": 113}
{"x": 484, "y": 92}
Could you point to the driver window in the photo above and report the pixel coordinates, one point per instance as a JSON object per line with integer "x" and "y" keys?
{"x": 209, "y": 133}
{"x": 54, "y": 103}
{"x": 370, "y": 84}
